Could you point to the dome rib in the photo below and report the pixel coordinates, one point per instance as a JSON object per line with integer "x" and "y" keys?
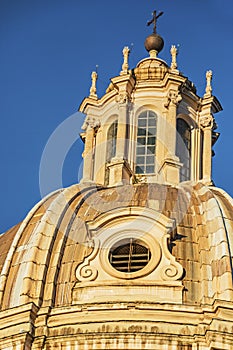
{"x": 52, "y": 275}
{"x": 7, "y": 264}
{"x": 216, "y": 264}
{"x": 25, "y": 286}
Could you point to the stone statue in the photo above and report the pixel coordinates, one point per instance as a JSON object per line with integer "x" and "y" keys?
{"x": 174, "y": 54}
{"x": 94, "y": 77}
{"x": 208, "y": 89}
{"x": 125, "y": 64}
{"x": 154, "y": 20}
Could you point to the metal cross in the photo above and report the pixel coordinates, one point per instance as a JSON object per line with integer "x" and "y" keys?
{"x": 154, "y": 20}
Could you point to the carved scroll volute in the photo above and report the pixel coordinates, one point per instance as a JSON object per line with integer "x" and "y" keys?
{"x": 173, "y": 271}
{"x": 86, "y": 272}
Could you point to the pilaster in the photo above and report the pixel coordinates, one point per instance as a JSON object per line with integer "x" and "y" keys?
{"x": 206, "y": 121}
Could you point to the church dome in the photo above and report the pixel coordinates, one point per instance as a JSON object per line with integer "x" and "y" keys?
{"x": 138, "y": 255}
{"x": 59, "y": 257}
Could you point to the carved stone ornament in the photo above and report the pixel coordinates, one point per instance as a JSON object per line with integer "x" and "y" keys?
{"x": 206, "y": 121}
{"x": 173, "y": 54}
{"x": 173, "y": 97}
{"x": 86, "y": 272}
{"x": 91, "y": 122}
{"x": 93, "y": 90}
{"x": 122, "y": 98}
{"x": 161, "y": 267}
{"x": 125, "y": 65}
{"x": 140, "y": 178}
{"x": 101, "y": 279}
{"x": 173, "y": 271}
{"x": 208, "y": 89}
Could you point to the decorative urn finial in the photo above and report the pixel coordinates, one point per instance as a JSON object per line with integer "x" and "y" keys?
{"x": 154, "y": 43}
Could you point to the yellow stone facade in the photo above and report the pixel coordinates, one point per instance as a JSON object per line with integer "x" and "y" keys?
{"x": 139, "y": 254}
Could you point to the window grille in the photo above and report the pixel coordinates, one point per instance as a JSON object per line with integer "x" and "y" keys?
{"x": 129, "y": 256}
{"x": 146, "y": 141}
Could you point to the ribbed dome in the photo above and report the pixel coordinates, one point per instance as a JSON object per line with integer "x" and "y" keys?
{"x": 151, "y": 69}
{"x": 48, "y": 243}
{"x": 56, "y": 294}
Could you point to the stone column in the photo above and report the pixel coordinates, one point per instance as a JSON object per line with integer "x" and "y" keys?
{"x": 197, "y": 149}
{"x": 90, "y": 125}
{"x": 121, "y": 127}
{"x": 171, "y": 165}
{"x": 206, "y": 123}
{"x": 173, "y": 99}
{"x": 119, "y": 171}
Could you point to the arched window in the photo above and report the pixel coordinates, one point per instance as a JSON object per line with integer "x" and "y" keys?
{"x": 146, "y": 141}
{"x": 111, "y": 141}
{"x": 183, "y": 148}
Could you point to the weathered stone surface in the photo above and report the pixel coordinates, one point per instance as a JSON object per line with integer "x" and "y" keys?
{"x": 200, "y": 247}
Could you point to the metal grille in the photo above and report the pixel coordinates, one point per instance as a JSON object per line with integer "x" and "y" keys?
{"x": 130, "y": 256}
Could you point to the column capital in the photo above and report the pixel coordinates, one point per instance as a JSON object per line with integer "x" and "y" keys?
{"x": 173, "y": 98}
{"x": 206, "y": 121}
{"x": 123, "y": 98}
{"x": 91, "y": 122}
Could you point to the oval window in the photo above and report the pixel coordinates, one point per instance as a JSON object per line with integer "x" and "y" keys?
{"x": 129, "y": 255}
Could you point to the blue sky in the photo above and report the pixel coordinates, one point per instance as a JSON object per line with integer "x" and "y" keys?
{"x": 48, "y": 50}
